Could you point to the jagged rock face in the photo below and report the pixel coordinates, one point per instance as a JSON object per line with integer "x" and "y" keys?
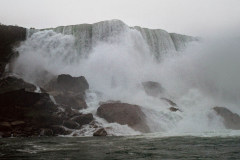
{"x": 12, "y": 83}
{"x": 22, "y": 104}
{"x": 100, "y": 132}
{"x": 231, "y": 120}
{"x": 67, "y": 83}
{"x": 124, "y": 114}
{"x": 153, "y": 88}
{"x": 9, "y": 37}
{"x": 69, "y": 91}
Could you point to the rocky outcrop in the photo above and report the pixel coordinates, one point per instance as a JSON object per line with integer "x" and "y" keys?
{"x": 12, "y": 83}
{"x": 153, "y": 88}
{"x": 83, "y": 119}
{"x": 67, "y": 83}
{"x": 124, "y": 114}
{"x": 231, "y": 120}
{"x": 9, "y": 37}
{"x": 26, "y": 113}
{"x": 100, "y": 132}
{"x": 69, "y": 91}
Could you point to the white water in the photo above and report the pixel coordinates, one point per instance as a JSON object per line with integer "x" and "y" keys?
{"x": 206, "y": 74}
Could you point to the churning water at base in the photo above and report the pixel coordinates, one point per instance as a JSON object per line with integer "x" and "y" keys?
{"x": 121, "y": 148}
{"x": 204, "y": 75}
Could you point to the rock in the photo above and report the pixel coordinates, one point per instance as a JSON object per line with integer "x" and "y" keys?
{"x": 70, "y": 124}
{"x": 152, "y": 88}
{"x": 60, "y": 130}
{"x": 5, "y": 126}
{"x": 46, "y": 132}
{"x": 15, "y": 123}
{"x": 231, "y": 120}
{"x": 100, "y": 132}
{"x": 169, "y": 101}
{"x": 66, "y": 83}
{"x": 76, "y": 102}
{"x": 12, "y": 83}
{"x": 83, "y": 119}
{"x": 23, "y": 113}
{"x": 10, "y": 37}
{"x": 68, "y": 90}
{"x": 124, "y": 114}
{"x": 21, "y": 104}
{"x": 173, "y": 109}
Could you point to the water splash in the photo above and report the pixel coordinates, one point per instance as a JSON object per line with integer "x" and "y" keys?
{"x": 202, "y": 76}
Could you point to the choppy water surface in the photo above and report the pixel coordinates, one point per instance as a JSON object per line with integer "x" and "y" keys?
{"x": 121, "y": 148}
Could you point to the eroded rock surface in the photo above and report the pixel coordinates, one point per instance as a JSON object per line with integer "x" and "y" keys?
{"x": 124, "y": 114}
{"x": 231, "y": 120}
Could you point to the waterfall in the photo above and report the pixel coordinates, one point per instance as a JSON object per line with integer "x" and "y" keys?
{"x": 116, "y": 59}
{"x": 88, "y": 35}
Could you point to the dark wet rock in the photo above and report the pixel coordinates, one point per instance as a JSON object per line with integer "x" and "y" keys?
{"x": 75, "y": 101}
{"x": 124, "y": 114}
{"x": 231, "y": 120}
{"x": 17, "y": 123}
{"x": 83, "y": 119}
{"x": 100, "y": 132}
{"x": 169, "y": 101}
{"x": 26, "y": 105}
{"x": 174, "y": 109}
{"x": 23, "y": 113}
{"x": 46, "y": 132}
{"x": 10, "y": 36}
{"x": 67, "y": 83}
{"x": 68, "y": 90}
{"x": 153, "y": 88}
{"x": 12, "y": 83}
{"x": 70, "y": 124}
{"x": 60, "y": 130}
{"x": 66, "y": 113}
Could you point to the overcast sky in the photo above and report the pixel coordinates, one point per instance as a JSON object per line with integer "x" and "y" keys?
{"x": 193, "y": 17}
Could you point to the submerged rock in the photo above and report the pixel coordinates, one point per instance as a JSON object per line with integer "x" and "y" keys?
{"x": 153, "y": 88}
{"x": 100, "y": 132}
{"x": 231, "y": 120}
{"x": 124, "y": 114}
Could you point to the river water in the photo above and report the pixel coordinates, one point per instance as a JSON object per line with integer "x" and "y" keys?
{"x": 121, "y": 148}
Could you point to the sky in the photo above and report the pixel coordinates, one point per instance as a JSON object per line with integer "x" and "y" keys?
{"x": 191, "y": 17}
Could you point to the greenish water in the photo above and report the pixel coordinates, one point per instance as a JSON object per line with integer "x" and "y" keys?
{"x": 120, "y": 148}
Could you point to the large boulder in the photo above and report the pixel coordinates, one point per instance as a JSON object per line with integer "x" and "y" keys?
{"x": 24, "y": 113}
{"x": 68, "y": 90}
{"x": 76, "y": 101}
{"x": 231, "y": 120}
{"x": 24, "y": 105}
{"x": 124, "y": 114}
{"x": 153, "y": 88}
{"x": 67, "y": 83}
{"x": 12, "y": 83}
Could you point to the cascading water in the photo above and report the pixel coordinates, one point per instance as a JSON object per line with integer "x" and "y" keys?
{"x": 116, "y": 59}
